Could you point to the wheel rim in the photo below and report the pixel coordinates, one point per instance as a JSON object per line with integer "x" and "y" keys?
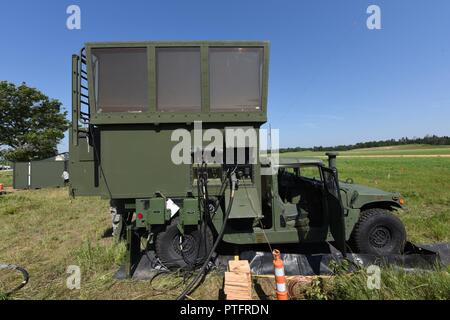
{"x": 380, "y": 237}
{"x": 185, "y": 246}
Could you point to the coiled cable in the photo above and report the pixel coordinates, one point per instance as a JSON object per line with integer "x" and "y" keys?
{"x": 25, "y": 275}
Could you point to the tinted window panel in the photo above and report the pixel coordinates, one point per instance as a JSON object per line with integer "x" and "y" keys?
{"x": 120, "y": 79}
{"x": 178, "y": 79}
{"x": 235, "y": 79}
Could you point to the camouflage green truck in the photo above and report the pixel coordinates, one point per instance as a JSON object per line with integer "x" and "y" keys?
{"x": 128, "y": 101}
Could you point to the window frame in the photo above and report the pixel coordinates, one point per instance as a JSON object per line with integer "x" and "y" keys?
{"x": 261, "y": 82}
{"x": 152, "y": 115}
{"x": 156, "y": 78}
{"x": 92, "y": 83}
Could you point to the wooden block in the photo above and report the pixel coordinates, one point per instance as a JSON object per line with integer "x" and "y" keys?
{"x": 238, "y": 266}
{"x": 238, "y": 283}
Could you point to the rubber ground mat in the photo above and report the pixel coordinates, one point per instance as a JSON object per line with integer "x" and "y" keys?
{"x": 414, "y": 258}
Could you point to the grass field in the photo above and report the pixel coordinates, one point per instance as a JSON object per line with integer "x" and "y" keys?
{"x": 6, "y": 177}
{"x": 45, "y": 231}
{"x": 404, "y": 150}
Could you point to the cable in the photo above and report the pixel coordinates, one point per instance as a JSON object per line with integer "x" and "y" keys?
{"x": 265, "y": 236}
{"x": 24, "y": 272}
{"x": 204, "y": 225}
{"x": 202, "y": 188}
{"x": 97, "y": 155}
{"x": 207, "y": 216}
{"x": 193, "y": 284}
{"x": 202, "y": 191}
{"x": 184, "y": 275}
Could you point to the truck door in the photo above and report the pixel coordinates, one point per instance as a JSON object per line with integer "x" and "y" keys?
{"x": 335, "y": 208}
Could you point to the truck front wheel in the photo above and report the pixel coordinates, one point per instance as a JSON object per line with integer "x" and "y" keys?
{"x": 379, "y": 232}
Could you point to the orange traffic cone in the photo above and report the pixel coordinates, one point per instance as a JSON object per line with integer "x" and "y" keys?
{"x": 280, "y": 278}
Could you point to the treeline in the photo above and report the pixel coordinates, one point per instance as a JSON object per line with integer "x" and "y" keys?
{"x": 428, "y": 139}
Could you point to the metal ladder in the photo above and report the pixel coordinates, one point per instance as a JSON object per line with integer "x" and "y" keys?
{"x": 80, "y": 96}
{"x": 83, "y": 88}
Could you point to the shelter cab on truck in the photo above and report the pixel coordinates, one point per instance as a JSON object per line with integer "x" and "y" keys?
{"x": 129, "y": 97}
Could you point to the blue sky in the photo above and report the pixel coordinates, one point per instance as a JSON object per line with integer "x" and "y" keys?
{"x": 332, "y": 81}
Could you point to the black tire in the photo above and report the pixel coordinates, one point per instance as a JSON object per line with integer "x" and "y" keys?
{"x": 186, "y": 255}
{"x": 379, "y": 232}
{"x": 117, "y": 211}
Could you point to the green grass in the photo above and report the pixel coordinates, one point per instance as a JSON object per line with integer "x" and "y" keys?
{"x": 45, "y": 231}
{"x": 6, "y": 177}
{"x": 424, "y": 182}
{"x": 395, "y": 284}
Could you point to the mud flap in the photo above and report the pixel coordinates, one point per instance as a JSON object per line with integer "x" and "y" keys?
{"x": 146, "y": 268}
{"x": 132, "y": 257}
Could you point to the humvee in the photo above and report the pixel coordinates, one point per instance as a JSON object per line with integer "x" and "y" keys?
{"x": 128, "y": 99}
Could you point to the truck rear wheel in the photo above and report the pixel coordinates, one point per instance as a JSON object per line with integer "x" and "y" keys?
{"x": 176, "y": 250}
{"x": 117, "y": 219}
{"x": 379, "y": 232}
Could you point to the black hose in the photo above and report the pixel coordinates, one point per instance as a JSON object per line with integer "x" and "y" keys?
{"x": 24, "y": 272}
{"x": 192, "y": 285}
{"x": 205, "y": 217}
{"x": 206, "y": 208}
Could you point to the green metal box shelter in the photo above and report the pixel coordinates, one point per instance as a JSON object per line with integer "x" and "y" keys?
{"x": 40, "y": 173}
{"x": 133, "y": 95}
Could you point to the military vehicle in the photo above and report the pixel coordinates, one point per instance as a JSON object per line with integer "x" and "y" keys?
{"x": 128, "y": 99}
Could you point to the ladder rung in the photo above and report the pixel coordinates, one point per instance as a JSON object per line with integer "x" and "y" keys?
{"x": 84, "y": 102}
{"x": 84, "y": 96}
{"x": 86, "y": 88}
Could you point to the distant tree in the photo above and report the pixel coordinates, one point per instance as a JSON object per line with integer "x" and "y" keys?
{"x": 31, "y": 124}
{"x": 428, "y": 139}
